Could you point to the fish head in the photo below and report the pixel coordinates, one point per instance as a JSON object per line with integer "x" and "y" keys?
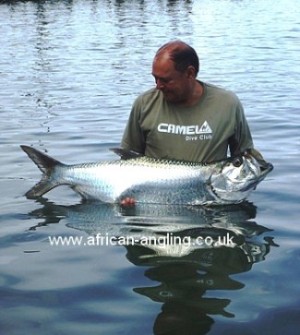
{"x": 237, "y": 177}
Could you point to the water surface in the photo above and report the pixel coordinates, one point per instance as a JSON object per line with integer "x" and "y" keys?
{"x": 69, "y": 72}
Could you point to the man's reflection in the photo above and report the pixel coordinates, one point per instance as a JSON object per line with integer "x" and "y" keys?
{"x": 189, "y": 276}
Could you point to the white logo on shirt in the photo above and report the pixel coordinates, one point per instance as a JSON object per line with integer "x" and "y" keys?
{"x": 205, "y": 128}
{"x": 184, "y": 130}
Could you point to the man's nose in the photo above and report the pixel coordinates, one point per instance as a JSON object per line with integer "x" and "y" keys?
{"x": 159, "y": 84}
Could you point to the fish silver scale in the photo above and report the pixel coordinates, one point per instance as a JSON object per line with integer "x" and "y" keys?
{"x": 144, "y": 179}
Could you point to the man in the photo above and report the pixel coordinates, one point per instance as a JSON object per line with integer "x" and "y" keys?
{"x": 184, "y": 118}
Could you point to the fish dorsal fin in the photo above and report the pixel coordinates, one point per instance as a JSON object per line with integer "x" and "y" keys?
{"x": 126, "y": 154}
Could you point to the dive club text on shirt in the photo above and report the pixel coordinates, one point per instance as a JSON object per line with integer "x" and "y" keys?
{"x": 191, "y": 132}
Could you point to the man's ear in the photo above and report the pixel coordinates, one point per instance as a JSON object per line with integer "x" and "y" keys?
{"x": 191, "y": 72}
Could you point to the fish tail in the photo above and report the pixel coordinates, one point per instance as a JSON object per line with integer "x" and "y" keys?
{"x": 47, "y": 165}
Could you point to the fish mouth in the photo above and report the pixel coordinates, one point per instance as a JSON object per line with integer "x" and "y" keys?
{"x": 265, "y": 169}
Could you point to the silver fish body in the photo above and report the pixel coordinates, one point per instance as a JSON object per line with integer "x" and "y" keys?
{"x": 149, "y": 180}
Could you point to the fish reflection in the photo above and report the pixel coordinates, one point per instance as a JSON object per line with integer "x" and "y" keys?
{"x": 187, "y": 276}
{"x": 166, "y": 242}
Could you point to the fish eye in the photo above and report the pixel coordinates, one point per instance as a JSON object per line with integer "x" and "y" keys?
{"x": 237, "y": 161}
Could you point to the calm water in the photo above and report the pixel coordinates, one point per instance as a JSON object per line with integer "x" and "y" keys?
{"x": 69, "y": 72}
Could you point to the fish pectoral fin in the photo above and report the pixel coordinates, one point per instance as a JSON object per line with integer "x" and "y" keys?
{"x": 126, "y": 154}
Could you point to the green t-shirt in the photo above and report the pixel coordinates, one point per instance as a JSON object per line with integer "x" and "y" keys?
{"x": 201, "y": 133}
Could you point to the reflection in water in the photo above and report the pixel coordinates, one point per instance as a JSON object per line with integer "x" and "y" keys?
{"x": 189, "y": 251}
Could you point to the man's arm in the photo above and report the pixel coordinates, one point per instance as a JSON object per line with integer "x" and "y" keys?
{"x": 133, "y": 137}
{"x": 241, "y": 139}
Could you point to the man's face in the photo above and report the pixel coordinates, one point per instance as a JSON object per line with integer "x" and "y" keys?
{"x": 174, "y": 85}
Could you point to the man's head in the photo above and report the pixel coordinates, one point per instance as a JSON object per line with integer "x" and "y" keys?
{"x": 175, "y": 68}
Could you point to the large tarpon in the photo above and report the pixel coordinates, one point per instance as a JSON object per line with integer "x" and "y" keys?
{"x": 149, "y": 180}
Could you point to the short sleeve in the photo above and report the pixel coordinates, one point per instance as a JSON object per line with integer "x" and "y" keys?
{"x": 133, "y": 137}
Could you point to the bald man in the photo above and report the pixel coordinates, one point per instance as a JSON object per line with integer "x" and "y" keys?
{"x": 184, "y": 118}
